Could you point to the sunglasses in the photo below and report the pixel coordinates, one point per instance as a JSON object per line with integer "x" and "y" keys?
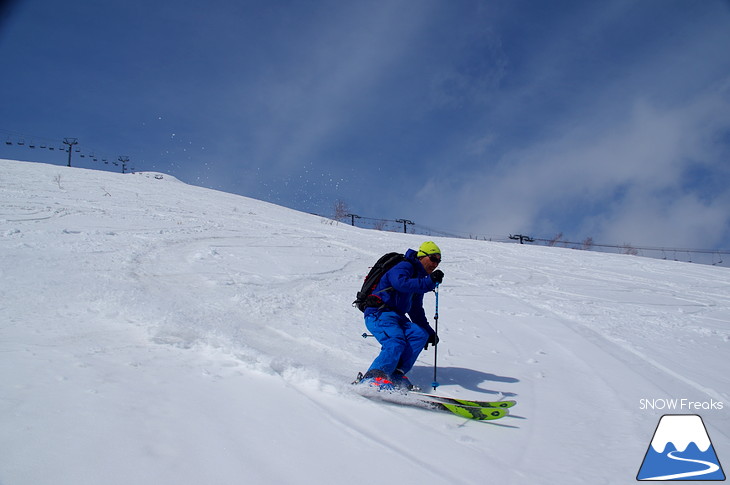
{"x": 434, "y": 258}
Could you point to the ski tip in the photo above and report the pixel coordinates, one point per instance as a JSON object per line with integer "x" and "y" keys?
{"x": 478, "y": 414}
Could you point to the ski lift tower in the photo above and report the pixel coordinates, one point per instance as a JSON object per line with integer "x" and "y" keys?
{"x": 124, "y": 159}
{"x": 70, "y": 142}
{"x": 405, "y": 222}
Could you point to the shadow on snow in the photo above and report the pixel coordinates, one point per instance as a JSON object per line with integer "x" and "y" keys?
{"x": 470, "y": 379}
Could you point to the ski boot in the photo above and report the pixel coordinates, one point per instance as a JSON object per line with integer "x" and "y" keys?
{"x": 400, "y": 381}
{"x": 376, "y": 379}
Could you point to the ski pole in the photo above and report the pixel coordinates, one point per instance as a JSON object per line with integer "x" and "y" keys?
{"x": 435, "y": 383}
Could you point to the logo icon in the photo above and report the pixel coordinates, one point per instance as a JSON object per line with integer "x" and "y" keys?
{"x": 680, "y": 450}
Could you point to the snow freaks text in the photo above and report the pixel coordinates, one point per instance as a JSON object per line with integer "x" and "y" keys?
{"x": 663, "y": 404}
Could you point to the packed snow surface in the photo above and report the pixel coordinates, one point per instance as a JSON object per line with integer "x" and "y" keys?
{"x": 153, "y": 332}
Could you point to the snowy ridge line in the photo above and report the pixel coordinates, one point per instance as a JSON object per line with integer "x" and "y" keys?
{"x": 428, "y": 231}
{"x": 627, "y": 249}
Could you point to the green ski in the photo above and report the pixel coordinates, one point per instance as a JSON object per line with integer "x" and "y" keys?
{"x": 470, "y": 412}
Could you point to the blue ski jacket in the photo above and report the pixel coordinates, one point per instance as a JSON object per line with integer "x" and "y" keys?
{"x": 402, "y": 289}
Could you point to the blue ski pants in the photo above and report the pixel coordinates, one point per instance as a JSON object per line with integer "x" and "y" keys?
{"x": 402, "y": 341}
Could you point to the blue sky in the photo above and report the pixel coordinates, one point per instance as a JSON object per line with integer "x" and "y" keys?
{"x": 608, "y": 120}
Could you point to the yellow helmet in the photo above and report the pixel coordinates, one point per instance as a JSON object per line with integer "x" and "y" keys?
{"x": 428, "y": 248}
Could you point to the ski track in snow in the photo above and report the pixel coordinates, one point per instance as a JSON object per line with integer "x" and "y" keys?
{"x": 212, "y": 336}
{"x": 711, "y": 468}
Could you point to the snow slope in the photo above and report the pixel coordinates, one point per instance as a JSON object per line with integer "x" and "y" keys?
{"x": 153, "y": 332}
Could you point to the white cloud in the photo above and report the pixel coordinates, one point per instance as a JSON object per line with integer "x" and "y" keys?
{"x": 597, "y": 130}
{"x": 625, "y": 173}
{"x": 683, "y": 222}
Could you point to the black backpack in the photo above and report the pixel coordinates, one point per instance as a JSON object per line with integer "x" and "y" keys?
{"x": 365, "y": 297}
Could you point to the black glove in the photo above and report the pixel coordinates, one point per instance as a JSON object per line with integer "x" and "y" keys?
{"x": 433, "y": 339}
{"x": 437, "y": 276}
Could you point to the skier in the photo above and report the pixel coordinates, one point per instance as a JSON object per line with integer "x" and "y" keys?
{"x": 400, "y": 293}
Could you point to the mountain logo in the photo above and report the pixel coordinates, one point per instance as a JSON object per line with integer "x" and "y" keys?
{"x": 680, "y": 450}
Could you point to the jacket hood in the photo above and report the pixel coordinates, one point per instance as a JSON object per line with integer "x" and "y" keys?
{"x": 411, "y": 254}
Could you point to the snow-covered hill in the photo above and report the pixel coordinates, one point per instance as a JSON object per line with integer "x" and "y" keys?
{"x": 153, "y": 332}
